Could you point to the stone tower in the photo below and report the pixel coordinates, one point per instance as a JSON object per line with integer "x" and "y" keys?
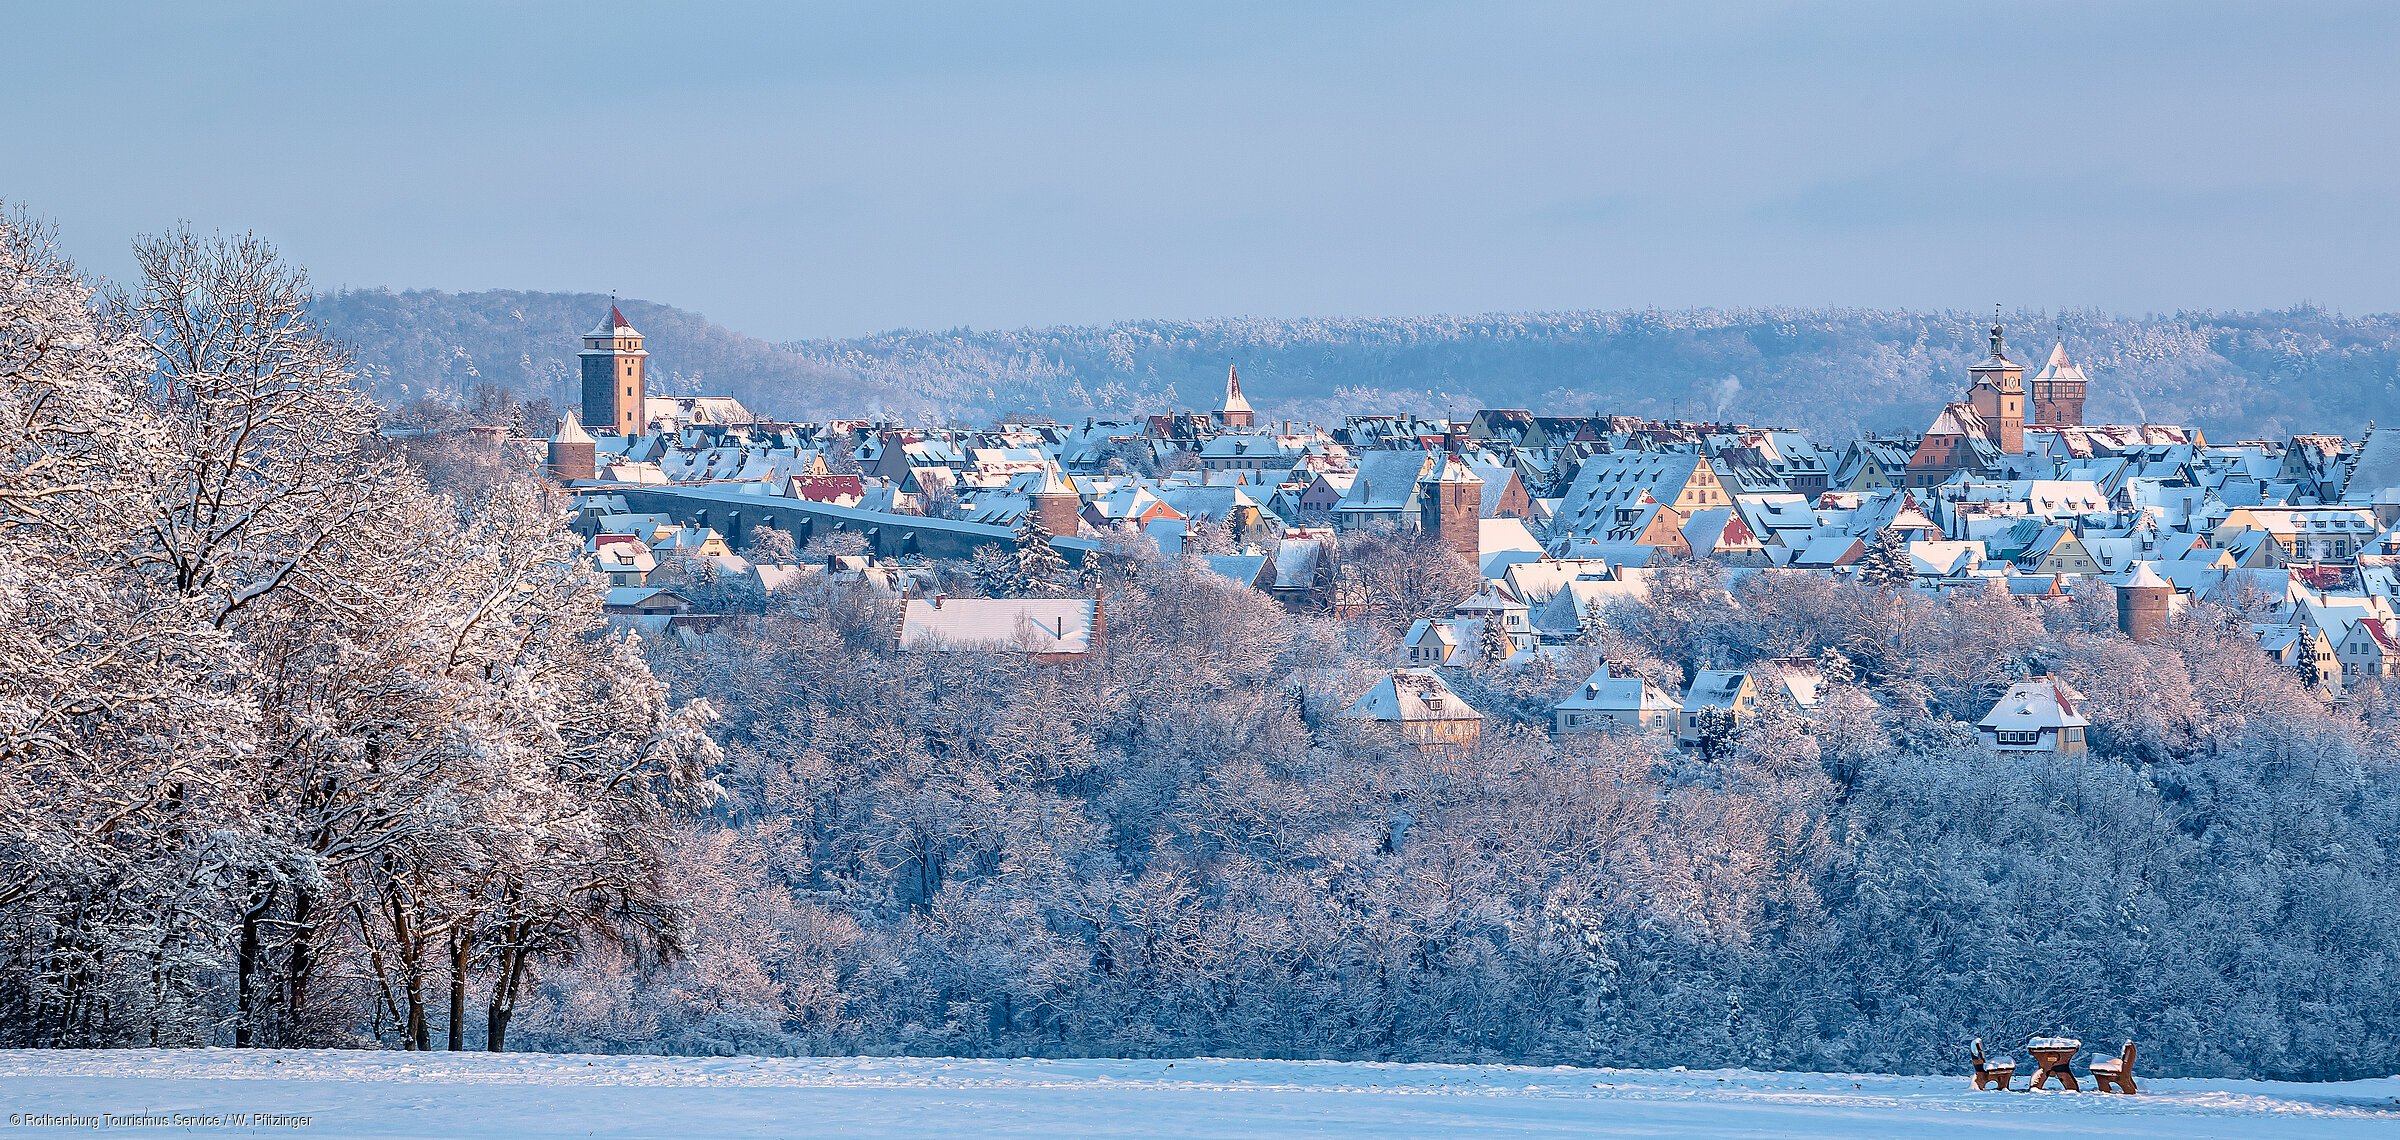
{"x": 2057, "y": 391}
{"x": 1450, "y": 506}
{"x": 574, "y": 454}
{"x": 2144, "y": 603}
{"x": 1236, "y": 415}
{"x": 1997, "y": 394}
{"x": 615, "y": 379}
{"x": 1058, "y": 504}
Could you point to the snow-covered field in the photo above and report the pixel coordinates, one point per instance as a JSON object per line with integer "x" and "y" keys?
{"x": 533, "y": 1095}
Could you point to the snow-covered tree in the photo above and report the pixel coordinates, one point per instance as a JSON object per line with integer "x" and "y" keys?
{"x": 1491, "y": 643}
{"x": 1886, "y": 561}
{"x": 1040, "y": 571}
{"x": 288, "y": 739}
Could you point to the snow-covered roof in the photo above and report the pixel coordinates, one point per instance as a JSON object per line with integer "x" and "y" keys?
{"x": 1411, "y": 695}
{"x": 1234, "y": 401}
{"x": 570, "y": 429}
{"x": 1385, "y": 481}
{"x": 1034, "y": 625}
{"x": 2058, "y": 367}
{"x": 2145, "y": 576}
{"x": 1505, "y": 533}
{"x": 1241, "y": 569}
{"x": 1451, "y": 470}
{"x": 1956, "y": 419}
{"x": 613, "y": 325}
{"x": 2043, "y": 702}
{"x": 1714, "y": 688}
{"x": 1603, "y": 693}
{"x": 1296, "y": 560}
{"x": 1944, "y": 559}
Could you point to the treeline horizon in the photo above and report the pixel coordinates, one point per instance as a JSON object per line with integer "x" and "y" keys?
{"x": 1833, "y": 372}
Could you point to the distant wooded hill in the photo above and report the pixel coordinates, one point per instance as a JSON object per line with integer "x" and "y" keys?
{"x": 1833, "y": 372}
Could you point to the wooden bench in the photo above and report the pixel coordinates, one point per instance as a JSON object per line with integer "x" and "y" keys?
{"x": 2115, "y": 1074}
{"x": 1987, "y": 1074}
{"x": 2052, "y": 1055}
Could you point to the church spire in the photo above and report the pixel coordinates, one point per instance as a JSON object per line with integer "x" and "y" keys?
{"x": 1236, "y": 412}
{"x": 1998, "y": 349}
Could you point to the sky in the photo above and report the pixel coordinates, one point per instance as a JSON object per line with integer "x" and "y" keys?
{"x": 806, "y": 170}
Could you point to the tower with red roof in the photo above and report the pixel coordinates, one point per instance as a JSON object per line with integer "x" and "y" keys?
{"x": 615, "y": 380}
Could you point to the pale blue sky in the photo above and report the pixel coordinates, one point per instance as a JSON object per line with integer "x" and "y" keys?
{"x": 802, "y": 170}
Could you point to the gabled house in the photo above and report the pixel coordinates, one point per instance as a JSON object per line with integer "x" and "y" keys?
{"x": 2307, "y": 534}
{"x": 1609, "y": 703}
{"x": 1135, "y": 507}
{"x": 2039, "y": 715}
{"x": 2056, "y": 550}
{"x": 1607, "y": 483}
{"x": 643, "y": 601}
{"x": 1504, "y": 494}
{"x": 1720, "y": 533}
{"x": 1432, "y": 643}
{"x": 1383, "y": 491}
{"x": 622, "y": 558}
{"x": 1495, "y": 603}
{"x": 1957, "y": 440}
{"x": 1500, "y": 425}
{"x": 1420, "y": 706}
{"x": 2370, "y": 650}
{"x": 1323, "y": 493}
{"x": 1303, "y": 565}
{"x": 2302, "y": 648}
{"x": 1801, "y": 680}
{"x": 1873, "y": 465}
{"x": 1731, "y": 690}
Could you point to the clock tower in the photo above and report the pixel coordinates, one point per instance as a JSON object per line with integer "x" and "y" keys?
{"x": 1997, "y": 393}
{"x": 614, "y": 377}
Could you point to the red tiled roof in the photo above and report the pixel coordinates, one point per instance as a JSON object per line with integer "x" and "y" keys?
{"x": 828, "y": 488}
{"x": 2321, "y": 576}
{"x": 2382, "y": 630}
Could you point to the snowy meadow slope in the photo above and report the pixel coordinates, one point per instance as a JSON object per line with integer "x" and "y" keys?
{"x": 357, "y": 1094}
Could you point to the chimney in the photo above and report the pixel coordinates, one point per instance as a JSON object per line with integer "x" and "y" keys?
{"x": 937, "y": 599}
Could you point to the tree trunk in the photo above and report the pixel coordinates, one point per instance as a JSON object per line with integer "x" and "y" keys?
{"x": 300, "y": 966}
{"x": 383, "y": 976}
{"x": 247, "y": 965}
{"x": 412, "y": 973}
{"x": 505, "y": 980}
{"x": 460, "y": 944}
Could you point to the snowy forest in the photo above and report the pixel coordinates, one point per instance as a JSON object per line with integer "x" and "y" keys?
{"x": 1833, "y": 373}
{"x": 292, "y": 749}
{"x": 1177, "y": 847}
{"x": 299, "y": 749}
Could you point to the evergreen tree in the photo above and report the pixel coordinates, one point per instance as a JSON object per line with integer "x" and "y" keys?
{"x": 1493, "y": 642}
{"x": 1590, "y": 626}
{"x": 1040, "y": 571}
{"x": 995, "y": 571}
{"x": 1886, "y": 562}
{"x": 1717, "y": 731}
